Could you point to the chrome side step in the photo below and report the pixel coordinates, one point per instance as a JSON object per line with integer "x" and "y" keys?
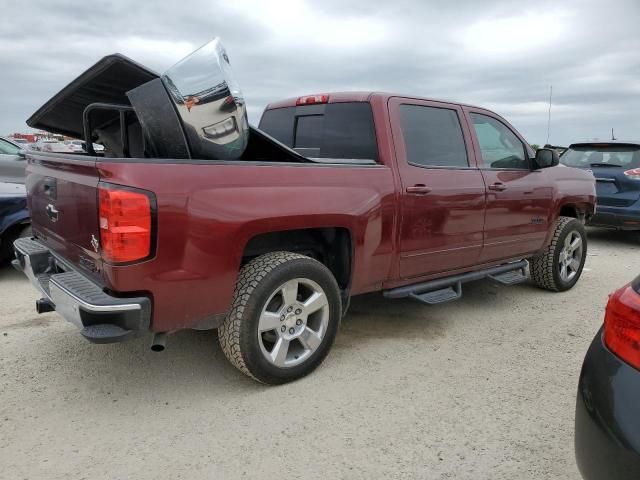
{"x": 450, "y": 288}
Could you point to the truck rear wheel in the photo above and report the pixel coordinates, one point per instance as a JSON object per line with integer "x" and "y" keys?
{"x": 283, "y": 319}
{"x": 559, "y": 267}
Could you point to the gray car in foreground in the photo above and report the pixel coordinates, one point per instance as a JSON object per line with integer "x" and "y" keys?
{"x": 12, "y": 162}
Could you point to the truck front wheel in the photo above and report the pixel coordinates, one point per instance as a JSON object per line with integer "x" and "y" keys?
{"x": 560, "y": 265}
{"x": 283, "y": 319}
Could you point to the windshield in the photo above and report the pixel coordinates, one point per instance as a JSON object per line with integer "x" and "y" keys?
{"x": 8, "y": 148}
{"x": 586, "y": 156}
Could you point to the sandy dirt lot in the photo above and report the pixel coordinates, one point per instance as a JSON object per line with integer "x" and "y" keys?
{"x": 482, "y": 388}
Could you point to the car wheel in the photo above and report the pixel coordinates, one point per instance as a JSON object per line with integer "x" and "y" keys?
{"x": 559, "y": 267}
{"x": 284, "y": 317}
{"x": 10, "y": 236}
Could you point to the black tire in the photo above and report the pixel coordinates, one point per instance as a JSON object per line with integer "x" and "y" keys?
{"x": 545, "y": 267}
{"x": 10, "y": 236}
{"x": 257, "y": 282}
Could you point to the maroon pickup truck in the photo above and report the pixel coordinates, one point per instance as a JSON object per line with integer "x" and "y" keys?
{"x": 191, "y": 219}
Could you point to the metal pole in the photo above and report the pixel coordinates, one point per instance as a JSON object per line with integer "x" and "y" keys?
{"x": 549, "y": 117}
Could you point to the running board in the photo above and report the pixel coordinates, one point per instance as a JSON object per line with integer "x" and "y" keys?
{"x": 510, "y": 278}
{"x": 450, "y": 288}
{"x": 443, "y": 295}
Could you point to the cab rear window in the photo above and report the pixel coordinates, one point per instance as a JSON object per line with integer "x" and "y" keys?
{"x": 334, "y": 130}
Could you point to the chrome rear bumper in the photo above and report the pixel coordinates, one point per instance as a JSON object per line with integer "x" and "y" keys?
{"x": 101, "y": 317}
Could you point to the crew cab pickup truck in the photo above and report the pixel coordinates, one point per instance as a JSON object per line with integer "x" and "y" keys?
{"x": 191, "y": 219}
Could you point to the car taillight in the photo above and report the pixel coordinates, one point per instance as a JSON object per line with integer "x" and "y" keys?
{"x": 633, "y": 174}
{"x": 622, "y": 325}
{"x": 312, "y": 99}
{"x": 125, "y": 224}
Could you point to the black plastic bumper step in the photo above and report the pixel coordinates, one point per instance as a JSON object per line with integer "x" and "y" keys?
{"x": 104, "y": 333}
{"x": 439, "y": 296}
{"x": 30, "y": 247}
{"x": 78, "y": 285}
{"x": 509, "y": 278}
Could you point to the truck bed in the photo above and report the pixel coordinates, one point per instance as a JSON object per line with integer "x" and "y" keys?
{"x": 207, "y": 212}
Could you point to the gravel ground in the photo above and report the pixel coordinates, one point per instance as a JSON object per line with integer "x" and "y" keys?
{"x": 482, "y": 388}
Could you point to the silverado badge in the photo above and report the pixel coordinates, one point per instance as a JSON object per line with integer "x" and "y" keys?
{"x": 94, "y": 243}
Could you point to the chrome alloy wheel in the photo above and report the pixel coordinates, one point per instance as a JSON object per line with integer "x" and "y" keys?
{"x": 570, "y": 256}
{"x": 293, "y": 322}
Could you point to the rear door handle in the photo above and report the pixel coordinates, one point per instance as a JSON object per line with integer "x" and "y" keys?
{"x": 419, "y": 189}
{"x": 497, "y": 187}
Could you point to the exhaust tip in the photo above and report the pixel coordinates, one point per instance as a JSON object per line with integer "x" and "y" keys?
{"x": 44, "y": 305}
{"x": 159, "y": 342}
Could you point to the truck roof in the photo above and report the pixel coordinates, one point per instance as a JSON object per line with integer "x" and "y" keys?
{"x": 359, "y": 96}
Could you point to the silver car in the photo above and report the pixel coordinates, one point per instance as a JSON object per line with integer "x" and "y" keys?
{"x": 51, "y": 145}
{"x": 12, "y": 162}
{"x": 75, "y": 145}
{"x": 21, "y": 142}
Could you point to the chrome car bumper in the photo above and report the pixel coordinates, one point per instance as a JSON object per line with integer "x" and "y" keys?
{"x": 101, "y": 317}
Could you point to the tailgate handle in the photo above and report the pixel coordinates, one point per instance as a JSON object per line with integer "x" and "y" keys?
{"x": 49, "y": 187}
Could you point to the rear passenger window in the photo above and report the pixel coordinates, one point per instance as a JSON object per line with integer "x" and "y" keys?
{"x": 433, "y": 137}
{"x": 499, "y": 146}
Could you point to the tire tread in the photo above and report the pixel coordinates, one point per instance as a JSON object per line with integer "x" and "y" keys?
{"x": 541, "y": 267}
{"x": 249, "y": 278}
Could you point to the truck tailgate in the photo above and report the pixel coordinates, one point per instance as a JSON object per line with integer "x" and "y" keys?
{"x": 63, "y": 203}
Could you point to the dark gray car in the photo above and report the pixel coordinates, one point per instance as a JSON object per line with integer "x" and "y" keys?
{"x": 12, "y": 162}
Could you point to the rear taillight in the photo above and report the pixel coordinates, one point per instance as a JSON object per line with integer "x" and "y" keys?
{"x": 633, "y": 174}
{"x": 622, "y": 325}
{"x": 125, "y": 224}
{"x": 312, "y": 99}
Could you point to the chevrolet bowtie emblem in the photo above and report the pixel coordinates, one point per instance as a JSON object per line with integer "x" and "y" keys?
{"x": 52, "y": 212}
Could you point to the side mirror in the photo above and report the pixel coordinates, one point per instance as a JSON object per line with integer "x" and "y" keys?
{"x": 545, "y": 158}
{"x": 22, "y": 154}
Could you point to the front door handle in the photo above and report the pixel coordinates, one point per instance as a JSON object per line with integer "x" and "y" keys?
{"x": 497, "y": 187}
{"x": 419, "y": 189}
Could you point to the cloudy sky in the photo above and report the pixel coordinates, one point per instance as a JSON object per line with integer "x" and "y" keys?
{"x": 499, "y": 54}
